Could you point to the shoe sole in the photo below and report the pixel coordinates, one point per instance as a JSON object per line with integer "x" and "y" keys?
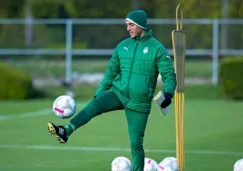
{"x": 52, "y": 130}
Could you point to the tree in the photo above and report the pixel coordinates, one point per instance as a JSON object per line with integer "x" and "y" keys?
{"x": 11, "y": 9}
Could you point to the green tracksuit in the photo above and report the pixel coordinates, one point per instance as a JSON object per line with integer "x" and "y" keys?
{"x": 129, "y": 84}
{"x": 108, "y": 101}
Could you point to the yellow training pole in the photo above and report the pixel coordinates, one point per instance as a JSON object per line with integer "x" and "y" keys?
{"x": 179, "y": 47}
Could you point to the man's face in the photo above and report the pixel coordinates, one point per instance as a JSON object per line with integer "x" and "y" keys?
{"x": 133, "y": 29}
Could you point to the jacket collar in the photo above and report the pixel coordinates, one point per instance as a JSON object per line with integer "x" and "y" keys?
{"x": 147, "y": 35}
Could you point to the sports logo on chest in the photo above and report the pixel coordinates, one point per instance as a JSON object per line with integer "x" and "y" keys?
{"x": 145, "y": 50}
{"x": 145, "y": 53}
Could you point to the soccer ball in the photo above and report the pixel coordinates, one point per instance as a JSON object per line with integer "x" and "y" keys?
{"x": 64, "y": 106}
{"x": 170, "y": 162}
{"x": 162, "y": 167}
{"x": 238, "y": 166}
{"x": 121, "y": 164}
{"x": 150, "y": 164}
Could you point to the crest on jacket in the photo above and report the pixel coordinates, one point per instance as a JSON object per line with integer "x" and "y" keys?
{"x": 145, "y": 50}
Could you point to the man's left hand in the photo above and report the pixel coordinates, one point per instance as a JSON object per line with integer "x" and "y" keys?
{"x": 167, "y": 100}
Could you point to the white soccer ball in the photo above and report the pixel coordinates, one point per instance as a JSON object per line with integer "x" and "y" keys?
{"x": 238, "y": 166}
{"x": 150, "y": 164}
{"x": 170, "y": 162}
{"x": 121, "y": 163}
{"x": 162, "y": 167}
{"x": 64, "y": 106}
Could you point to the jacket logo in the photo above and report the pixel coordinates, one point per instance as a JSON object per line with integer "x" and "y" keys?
{"x": 168, "y": 57}
{"x": 145, "y": 50}
{"x": 126, "y": 48}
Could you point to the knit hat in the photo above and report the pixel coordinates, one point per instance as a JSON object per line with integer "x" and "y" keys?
{"x": 138, "y": 17}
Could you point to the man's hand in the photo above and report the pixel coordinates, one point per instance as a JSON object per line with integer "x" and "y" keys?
{"x": 167, "y": 100}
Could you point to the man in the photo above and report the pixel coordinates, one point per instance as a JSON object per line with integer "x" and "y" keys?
{"x": 129, "y": 84}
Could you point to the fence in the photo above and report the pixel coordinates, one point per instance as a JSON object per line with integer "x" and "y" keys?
{"x": 98, "y": 37}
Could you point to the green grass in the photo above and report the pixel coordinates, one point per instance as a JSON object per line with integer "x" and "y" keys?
{"x": 194, "y": 68}
{"x": 86, "y": 91}
{"x": 213, "y": 137}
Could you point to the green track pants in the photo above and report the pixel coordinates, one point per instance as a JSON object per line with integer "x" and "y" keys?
{"x": 108, "y": 101}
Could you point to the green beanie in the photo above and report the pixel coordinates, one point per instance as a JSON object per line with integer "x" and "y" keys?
{"x": 138, "y": 17}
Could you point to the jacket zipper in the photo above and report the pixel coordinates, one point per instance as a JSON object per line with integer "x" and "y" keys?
{"x": 130, "y": 73}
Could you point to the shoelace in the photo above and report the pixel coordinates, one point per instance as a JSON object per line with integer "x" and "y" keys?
{"x": 61, "y": 131}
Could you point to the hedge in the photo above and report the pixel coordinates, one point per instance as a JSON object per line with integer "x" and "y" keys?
{"x": 231, "y": 77}
{"x": 14, "y": 84}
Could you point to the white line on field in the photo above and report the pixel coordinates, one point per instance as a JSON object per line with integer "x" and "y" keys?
{"x": 29, "y": 114}
{"x": 26, "y": 115}
{"x": 104, "y": 149}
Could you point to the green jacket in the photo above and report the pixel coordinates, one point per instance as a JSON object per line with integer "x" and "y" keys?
{"x": 133, "y": 71}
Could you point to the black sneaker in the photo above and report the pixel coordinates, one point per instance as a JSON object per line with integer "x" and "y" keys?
{"x": 58, "y": 131}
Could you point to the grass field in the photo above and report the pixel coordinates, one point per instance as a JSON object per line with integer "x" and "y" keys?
{"x": 86, "y": 91}
{"x": 57, "y": 67}
{"x": 213, "y": 137}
